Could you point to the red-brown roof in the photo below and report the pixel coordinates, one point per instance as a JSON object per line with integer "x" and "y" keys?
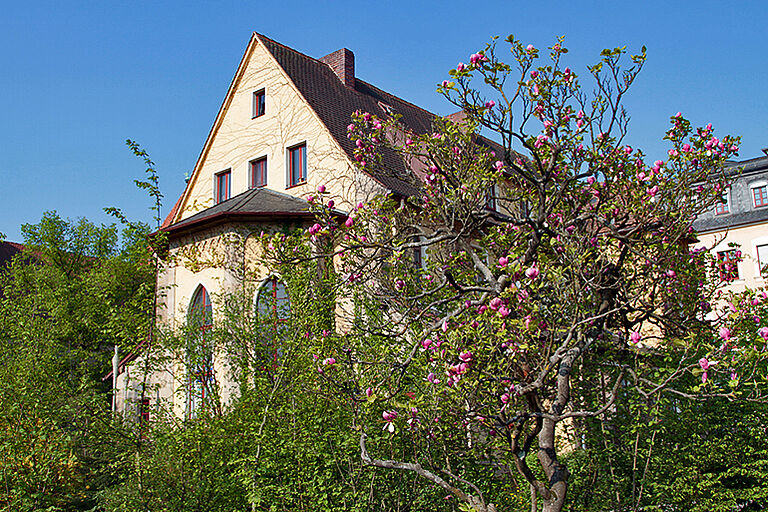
{"x": 334, "y": 103}
{"x": 8, "y": 250}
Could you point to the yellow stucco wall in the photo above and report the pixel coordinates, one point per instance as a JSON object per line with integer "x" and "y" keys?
{"x": 237, "y": 139}
{"x": 748, "y": 238}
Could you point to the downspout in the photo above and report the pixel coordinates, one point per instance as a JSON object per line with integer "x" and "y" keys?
{"x": 115, "y": 365}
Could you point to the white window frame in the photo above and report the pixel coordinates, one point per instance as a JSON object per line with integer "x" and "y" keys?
{"x": 754, "y": 185}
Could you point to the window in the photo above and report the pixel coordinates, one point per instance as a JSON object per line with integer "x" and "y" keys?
{"x": 223, "y": 186}
{"x": 762, "y": 259}
{"x": 273, "y": 310}
{"x": 199, "y": 352}
{"x": 258, "y": 103}
{"x": 418, "y": 252}
{"x": 723, "y": 206}
{"x": 760, "y": 196}
{"x": 259, "y": 172}
{"x": 144, "y": 411}
{"x": 490, "y": 198}
{"x": 729, "y": 264}
{"x": 297, "y": 165}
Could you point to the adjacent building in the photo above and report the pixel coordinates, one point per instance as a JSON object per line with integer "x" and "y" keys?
{"x": 736, "y": 230}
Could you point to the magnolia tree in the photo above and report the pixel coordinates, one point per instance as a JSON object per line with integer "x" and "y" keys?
{"x": 521, "y": 274}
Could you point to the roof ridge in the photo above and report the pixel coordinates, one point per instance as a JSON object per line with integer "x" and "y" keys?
{"x": 259, "y": 35}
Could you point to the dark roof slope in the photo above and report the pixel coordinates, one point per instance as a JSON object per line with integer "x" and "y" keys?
{"x": 742, "y": 210}
{"x": 334, "y": 104}
{"x": 253, "y": 203}
{"x": 747, "y": 166}
{"x": 7, "y": 251}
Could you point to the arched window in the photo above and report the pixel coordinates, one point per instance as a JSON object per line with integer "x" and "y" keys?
{"x": 273, "y": 311}
{"x": 200, "y": 313}
{"x": 199, "y": 351}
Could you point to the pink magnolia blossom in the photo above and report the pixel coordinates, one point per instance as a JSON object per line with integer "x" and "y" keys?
{"x": 369, "y": 392}
{"x": 495, "y": 303}
{"x": 329, "y": 361}
{"x": 389, "y": 417}
{"x": 503, "y": 261}
{"x": 466, "y": 356}
{"x": 460, "y": 66}
{"x": 432, "y": 379}
{"x": 763, "y": 332}
{"x": 490, "y": 104}
{"x": 349, "y": 222}
{"x": 634, "y": 337}
{"x": 399, "y": 284}
{"x": 321, "y": 188}
{"x": 532, "y": 272}
{"x": 530, "y": 48}
{"x": 331, "y": 203}
{"x": 725, "y": 333}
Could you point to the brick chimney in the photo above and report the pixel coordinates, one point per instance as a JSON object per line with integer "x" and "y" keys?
{"x": 342, "y": 63}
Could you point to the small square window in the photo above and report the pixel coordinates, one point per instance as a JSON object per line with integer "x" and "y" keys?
{"x": 258, "y": 103}
{"x": 729, "y": 264}
{"x": 259, "y": 172}
{"x": 297, "y": 165}
{"x": 760, "y": 196}
{"x": 223, "y": 180}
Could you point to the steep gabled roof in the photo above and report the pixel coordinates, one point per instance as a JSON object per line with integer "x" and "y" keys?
{"x": 334, "y": 102}
{"x": 256, "y": 203}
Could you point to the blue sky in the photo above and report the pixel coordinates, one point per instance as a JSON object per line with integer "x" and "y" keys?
{"x": 78, "y": 78}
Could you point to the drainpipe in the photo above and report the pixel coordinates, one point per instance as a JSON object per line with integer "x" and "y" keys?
{"x": 115, "y": 363}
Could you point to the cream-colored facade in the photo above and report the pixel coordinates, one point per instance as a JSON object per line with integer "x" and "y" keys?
{"x": 214, "y": 246}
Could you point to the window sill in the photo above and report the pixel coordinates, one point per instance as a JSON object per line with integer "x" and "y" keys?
{"x": 295, "y": 185}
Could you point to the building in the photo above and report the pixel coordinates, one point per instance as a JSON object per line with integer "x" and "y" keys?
{"x": 736, "y": 230}
{"x": 281, "y": 132}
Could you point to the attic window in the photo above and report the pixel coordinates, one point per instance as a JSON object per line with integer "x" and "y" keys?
{"x": 258, "y": 104}
{"x": 759, "y": 194}
{"x": 386, "y": 108}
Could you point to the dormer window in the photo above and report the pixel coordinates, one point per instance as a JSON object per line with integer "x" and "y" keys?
{"x": 759, "y": 194}
{"x": 258, "y": 103}
{"x": 386, "y": 108}
{"x": 723, "y": 205}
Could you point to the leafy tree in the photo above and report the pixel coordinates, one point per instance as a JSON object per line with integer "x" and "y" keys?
{"x": 73, "y": 294}
{"x": 551, "y": 271}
